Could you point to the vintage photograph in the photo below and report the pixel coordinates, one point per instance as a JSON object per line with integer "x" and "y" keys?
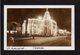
{"x": 44, "y": 26}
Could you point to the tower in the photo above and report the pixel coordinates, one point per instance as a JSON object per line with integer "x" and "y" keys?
{"x": 47, "y": 14}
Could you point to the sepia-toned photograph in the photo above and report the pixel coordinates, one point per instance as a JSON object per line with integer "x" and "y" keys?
{"x": 39, "y": 27}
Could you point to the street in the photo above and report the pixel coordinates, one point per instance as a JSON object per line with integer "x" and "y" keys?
{"x": 43, "y": 41}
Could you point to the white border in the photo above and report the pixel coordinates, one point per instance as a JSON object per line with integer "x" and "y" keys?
{"x": 72, "y": 47}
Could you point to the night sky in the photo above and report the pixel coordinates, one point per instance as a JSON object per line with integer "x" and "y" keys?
{"x": 61, "y": 16}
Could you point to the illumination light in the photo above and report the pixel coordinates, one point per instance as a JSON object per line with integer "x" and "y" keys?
{"x": 39, "y": 17}
{"x": 24, "y": 27}
{"x": 7, "y": 31}
{"x": 42, "y": 24}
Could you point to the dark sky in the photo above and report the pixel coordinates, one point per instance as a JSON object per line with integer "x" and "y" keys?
{"x": 61, "y": 16}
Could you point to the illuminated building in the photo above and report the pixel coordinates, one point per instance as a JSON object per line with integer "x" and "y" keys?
{"x": 24, "y": 27}
{"x": 44, "y": 26}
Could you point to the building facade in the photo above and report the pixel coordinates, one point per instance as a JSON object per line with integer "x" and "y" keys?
{"x": 44, "y": 26}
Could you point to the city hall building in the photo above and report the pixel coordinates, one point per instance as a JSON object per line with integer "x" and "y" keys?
{"x": 43, "y": 26}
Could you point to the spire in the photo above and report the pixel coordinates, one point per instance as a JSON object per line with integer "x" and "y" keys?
{"x": 47, "y": 14}
{"x": 46, "y": 9}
